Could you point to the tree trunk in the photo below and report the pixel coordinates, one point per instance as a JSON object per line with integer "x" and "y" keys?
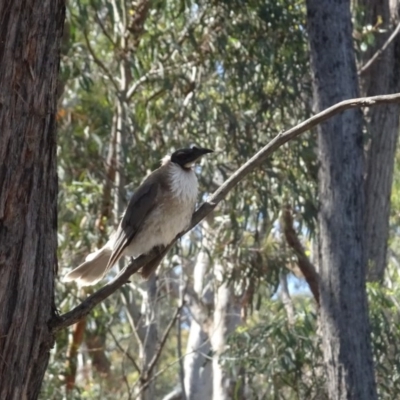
{"x": 30, "y": 36}
{"x": 344, "y": 311}
{"x": 382, "y": 77}
{"x": 197, "y": 366}
{"x": 226, "y": 319}
{"x": 147, "y": 332}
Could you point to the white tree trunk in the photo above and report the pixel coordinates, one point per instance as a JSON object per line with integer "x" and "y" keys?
{"x": 197, "y": 366}
{"x": 198, "y": 374}
{"x": 226, "y": 319}
{"x": 148, "y": 334}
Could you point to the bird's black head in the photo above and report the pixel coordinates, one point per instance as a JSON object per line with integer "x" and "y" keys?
{"x": 187, "y": 157}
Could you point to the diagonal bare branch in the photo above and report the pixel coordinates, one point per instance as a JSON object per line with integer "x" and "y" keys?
{"x": 100, "y": 63}
{"x": 125, "y": 352}
{"x": 368, "y": 64}
{"x": 306, "y": 266}
{"x": 161, "y": 345}
{"x": 88, "y": 304}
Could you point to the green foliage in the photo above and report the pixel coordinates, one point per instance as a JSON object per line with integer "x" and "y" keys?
{"x": 385, "y": 322}
{"x": 228, "y": 75}
{"x": 281, "y": 360}
{"x": 284, "y": 361}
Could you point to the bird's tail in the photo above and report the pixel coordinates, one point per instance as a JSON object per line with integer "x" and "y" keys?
{"x": 92, "y": 270}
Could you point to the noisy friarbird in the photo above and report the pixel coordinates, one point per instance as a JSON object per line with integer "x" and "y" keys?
{"x": 158, "y": 211}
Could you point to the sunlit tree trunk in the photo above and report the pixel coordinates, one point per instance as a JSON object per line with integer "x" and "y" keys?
{"x": 198, "y": 373}
{"x": 202, "y": 381}
{"x": 344, "y": 311}
{"x": 30, "y": 37}
{"x": 380, "y": 77}
{"x": 226, "y": 319}
{"x": 197, "y": 365}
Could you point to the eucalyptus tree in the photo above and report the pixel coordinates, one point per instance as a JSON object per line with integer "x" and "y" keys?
{"x": 29, "y": 63}
{"x": 378, "y": 39}
{"x": 347, "y": 351}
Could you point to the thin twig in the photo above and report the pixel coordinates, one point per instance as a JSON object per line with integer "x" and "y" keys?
{"x": 125, "y": 352}
{"x": 161, "y": 345}
{"x": 100, "y": 63}
{"x": 88, "y": 304}
{"x": 146, "y": 378}
{"x": 153, "y": 73}
{"x": 102, "y": 27}
{"x": 367, "y": 65}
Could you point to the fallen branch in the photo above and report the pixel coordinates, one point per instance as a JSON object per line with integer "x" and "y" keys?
{"x": 88, "y": 304}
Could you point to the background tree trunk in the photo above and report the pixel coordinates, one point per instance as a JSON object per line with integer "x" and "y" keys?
{"x": 30, "y": 36}
{"x": 226, "y": 319}
{"x": 382, "y": 77}
{"x": 344, "y": 314}
{"x": 197, "y": 365}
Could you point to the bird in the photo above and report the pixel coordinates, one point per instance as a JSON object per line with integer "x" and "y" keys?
{"x": 159, "y": 210}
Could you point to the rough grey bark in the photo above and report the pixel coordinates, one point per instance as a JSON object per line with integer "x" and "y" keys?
{"x": 30, "y": 37}
{"x": 382, "y": 77}
{"x": 344, "y": 311}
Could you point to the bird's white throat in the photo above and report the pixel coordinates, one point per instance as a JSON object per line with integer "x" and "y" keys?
{"x": 183, "y": 183}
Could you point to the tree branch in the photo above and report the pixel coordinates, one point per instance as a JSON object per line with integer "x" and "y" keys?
{"x": 88, "y": 304}
{"x": 368, "y": 64}
{"x": 102, "y": 27}
{"x": 161, "y": 345}
{"x": 125, "y": 352}
{"x": 306, "y": 266}
{"x": 99, "y": 62}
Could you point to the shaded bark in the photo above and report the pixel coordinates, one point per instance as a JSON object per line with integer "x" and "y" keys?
{"x": 382, "y": 77}
{"x": 344, "y": 313}
{"x": 30, "y": 36}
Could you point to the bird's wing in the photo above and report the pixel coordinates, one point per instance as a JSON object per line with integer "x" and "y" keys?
{"x": 140, "y": 205}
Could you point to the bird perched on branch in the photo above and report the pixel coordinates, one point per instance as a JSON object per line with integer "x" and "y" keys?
{"x": 158, "y": 211}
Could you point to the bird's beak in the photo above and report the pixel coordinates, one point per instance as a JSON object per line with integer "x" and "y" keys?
{"x": 201, "y": 151}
